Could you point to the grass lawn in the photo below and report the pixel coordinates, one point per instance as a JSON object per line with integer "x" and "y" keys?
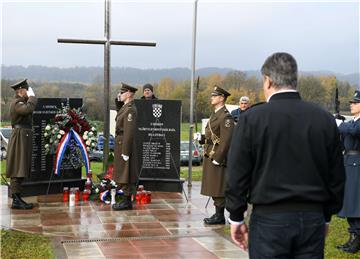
{"x": 15, "y": 244}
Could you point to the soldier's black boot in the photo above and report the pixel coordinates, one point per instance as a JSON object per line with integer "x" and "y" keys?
{"x": 19, "y": 203}
{"x": 125, "y": 204}
{"x": 354, "y": 247}
{"x": 217, "y": 218}
{"x": 348, "y": 243}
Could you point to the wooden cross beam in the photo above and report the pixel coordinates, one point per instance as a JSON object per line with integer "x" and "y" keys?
{"x": 107, "y": 42}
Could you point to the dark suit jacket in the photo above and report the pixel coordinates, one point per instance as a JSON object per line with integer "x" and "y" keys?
{"x": 286, "y": 150}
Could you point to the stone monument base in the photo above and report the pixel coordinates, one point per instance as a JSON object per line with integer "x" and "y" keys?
{"x": 56, "y": 186}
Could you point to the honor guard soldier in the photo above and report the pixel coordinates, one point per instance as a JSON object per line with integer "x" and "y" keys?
{"x": 350, "y": 136}
{"x": 217, "y": 138}
{"x": 18, "y": 164}
{"x": 125, "y": 160}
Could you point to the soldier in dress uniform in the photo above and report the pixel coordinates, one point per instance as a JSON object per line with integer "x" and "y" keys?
{"x": 217, "y": 138}
{"x": 125, "y": 160}
{"x": 18, "y": 164}
{"x": 350, "y": 135}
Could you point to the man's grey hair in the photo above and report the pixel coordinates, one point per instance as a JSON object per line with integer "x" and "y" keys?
{"x": 281, "y": 68}
{"x": 244, "y": 99}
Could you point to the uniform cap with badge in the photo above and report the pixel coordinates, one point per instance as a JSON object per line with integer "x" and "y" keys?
{"x": 356, "y": 97}
{"x": 127, "y": 88}
{"x": 20, "y": 85}
{"x": 219, "y": 91}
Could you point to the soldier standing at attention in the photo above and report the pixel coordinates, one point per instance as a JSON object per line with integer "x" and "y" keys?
{"x": 350, "y": 136}
{"x": 18, "y": 164}
{"x": 125, "y": 160}
{"x": 218, "y": 133}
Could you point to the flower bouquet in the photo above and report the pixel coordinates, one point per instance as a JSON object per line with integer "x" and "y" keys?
{"x": 103, "y": 191}
{"x": 69, "y": 136}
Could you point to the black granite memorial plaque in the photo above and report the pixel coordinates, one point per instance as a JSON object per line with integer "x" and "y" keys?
{"x": 158, "y": 144}
{"x": 42, "y": 179}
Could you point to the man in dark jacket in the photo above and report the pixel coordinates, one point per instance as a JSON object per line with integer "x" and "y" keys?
{"x": 148, "y": 91}
{"x": 18, "y": 164}
{"x": 243, "y": 105}
{"x": 286, "y": 160}
{"x": 125, "y": 159}
{"x": 350, "y": 136}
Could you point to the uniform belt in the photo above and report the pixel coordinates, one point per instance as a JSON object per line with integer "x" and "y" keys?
{"x": 21, "y": 126}
{"x": 352, "y": 152}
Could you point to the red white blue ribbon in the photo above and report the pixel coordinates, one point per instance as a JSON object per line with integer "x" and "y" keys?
{"x": 60, "y": 151}
{"x": 104, "y": 195}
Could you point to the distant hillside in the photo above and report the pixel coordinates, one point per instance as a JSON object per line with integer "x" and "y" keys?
{"x": 131, "y": 75}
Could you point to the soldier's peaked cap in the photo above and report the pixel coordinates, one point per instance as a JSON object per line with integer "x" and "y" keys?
{"x": 20, "y": 85}
{"x": 356, "y": 97}
{"x": 124, "y": 88}
{"x": 219, "y": 91}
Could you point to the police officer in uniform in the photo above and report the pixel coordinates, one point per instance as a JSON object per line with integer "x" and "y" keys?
{"x": 217, "y": 138}
{"x": 18, "y": 164}
{"x": 125, "y": 160}
{"x": 350, "y": 135}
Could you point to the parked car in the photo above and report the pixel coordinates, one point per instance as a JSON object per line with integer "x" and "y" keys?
{"x": 100, "y": 142}
{"x": 5, "y": 134}
{"x": 96, "y": 155}
{"x": 197, "y": 155}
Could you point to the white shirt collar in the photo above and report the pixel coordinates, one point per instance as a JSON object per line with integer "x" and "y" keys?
{"x": 281, "y": 91}
{"x": 219, "y": 108}
{"x": 356, "y": 118}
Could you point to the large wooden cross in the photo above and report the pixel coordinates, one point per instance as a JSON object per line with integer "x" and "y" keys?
{"x": 107, "y": 42}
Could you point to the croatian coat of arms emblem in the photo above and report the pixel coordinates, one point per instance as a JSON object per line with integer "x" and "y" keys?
{"x": 157, "y": 110}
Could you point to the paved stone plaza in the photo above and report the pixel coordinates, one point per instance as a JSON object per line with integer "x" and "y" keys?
{"x": 169, "y": 227}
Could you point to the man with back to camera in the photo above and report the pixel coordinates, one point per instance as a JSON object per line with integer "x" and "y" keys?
{"x": 125, "y": 160}
{"x": 148, "y": 91}
{"x": 217, "y": 141}
{"x": 18, "y": 163}
{"x": 350, "y": 136}
{"x": 286, "y": 160}
{"x": 243, "y": 105}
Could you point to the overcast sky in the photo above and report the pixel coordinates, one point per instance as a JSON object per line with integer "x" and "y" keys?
{"x": 233, "y": 34}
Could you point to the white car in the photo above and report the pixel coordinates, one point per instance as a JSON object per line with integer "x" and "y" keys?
{"x": 5, "y": 134}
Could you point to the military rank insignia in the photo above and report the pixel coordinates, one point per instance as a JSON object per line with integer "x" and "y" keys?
{"x": 227, "y": 123}
{"x": 130, "y": 118}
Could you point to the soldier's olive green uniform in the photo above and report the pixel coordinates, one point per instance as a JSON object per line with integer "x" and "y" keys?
{"x": 126, "y": 172}
{"x": 218, "y": 134}
{"x": 18, "y": 162}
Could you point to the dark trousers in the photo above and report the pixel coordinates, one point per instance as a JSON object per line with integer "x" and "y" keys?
{"x": 299, "y": 235}
{"x": 354, "y": 225}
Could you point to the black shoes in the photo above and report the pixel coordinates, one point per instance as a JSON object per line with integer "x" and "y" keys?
{"x": 217, "y": 218}
{"x": 347, "y": 244}
{"x": 19, "y": 203}
{"x": 125, "y": 204}
{"x": 352, "y": 246}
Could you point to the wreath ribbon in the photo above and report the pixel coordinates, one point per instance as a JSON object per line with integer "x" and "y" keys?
{"x": 60, "y": 151}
